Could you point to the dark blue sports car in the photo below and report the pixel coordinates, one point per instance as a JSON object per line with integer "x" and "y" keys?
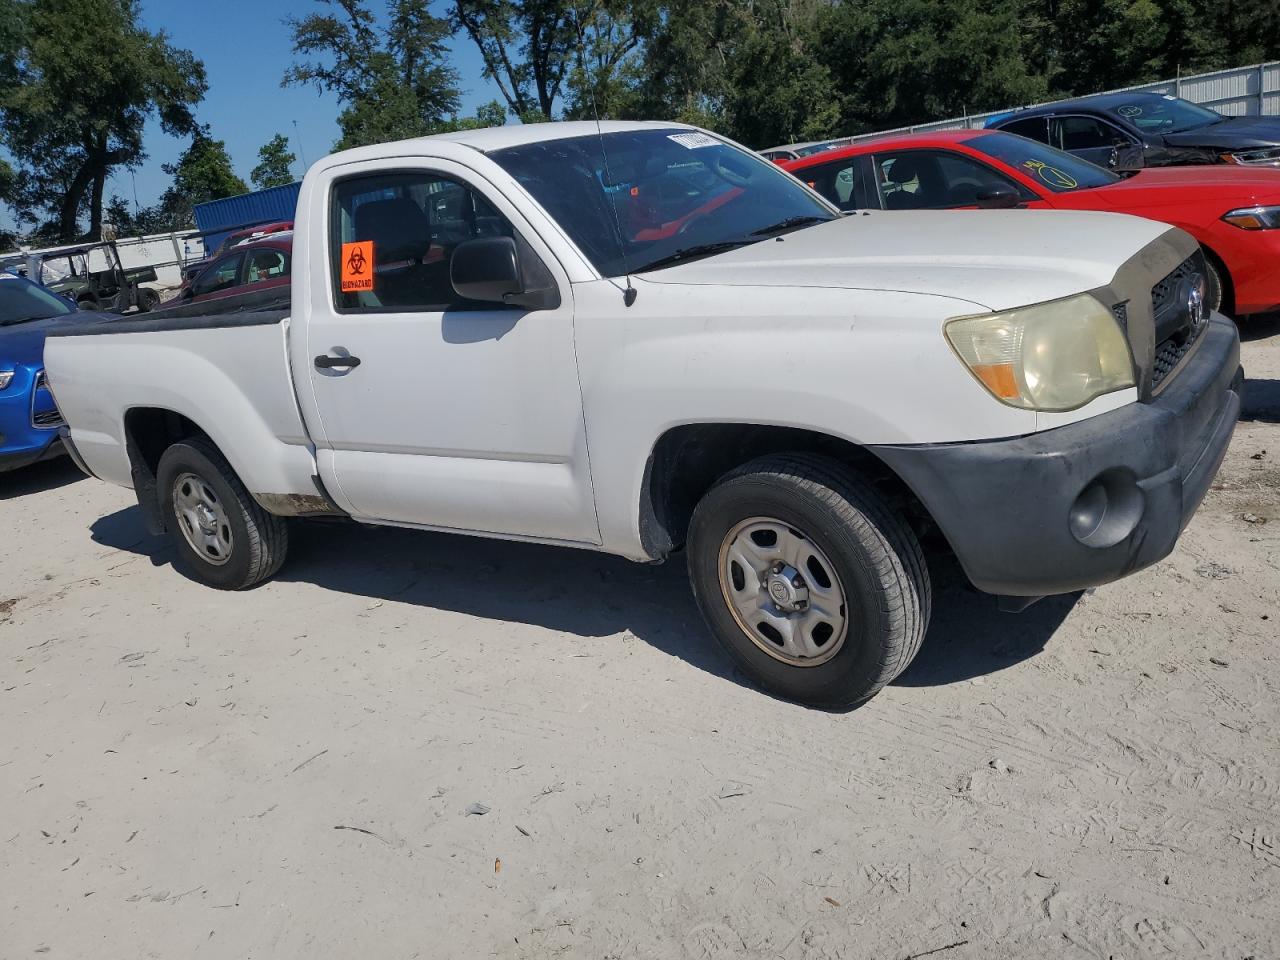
{"x": 1147, "y": 129}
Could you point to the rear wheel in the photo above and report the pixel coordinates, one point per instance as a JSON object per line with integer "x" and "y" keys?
{"x": 148, "y": 300}
{"x": 223, "y": 536}
{"x": 813, "y": 584}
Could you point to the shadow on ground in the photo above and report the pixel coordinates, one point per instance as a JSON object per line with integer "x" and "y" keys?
{"x": 591, "y": 595}
{"x": 38, "y": 478}
{"x": 1261, "y": 401}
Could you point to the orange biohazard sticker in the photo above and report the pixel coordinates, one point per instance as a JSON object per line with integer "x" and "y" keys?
{"x": 357, "y": 266}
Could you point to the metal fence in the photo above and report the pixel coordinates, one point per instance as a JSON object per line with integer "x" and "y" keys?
{"x": 1239, "y": 92}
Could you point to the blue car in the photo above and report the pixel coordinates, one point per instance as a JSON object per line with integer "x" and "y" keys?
{"x": 28, "y": 419}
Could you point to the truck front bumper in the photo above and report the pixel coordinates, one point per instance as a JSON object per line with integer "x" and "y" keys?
{"x": 1088, "y": 503}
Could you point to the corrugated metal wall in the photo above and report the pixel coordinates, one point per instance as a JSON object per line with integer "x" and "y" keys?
{"x": 229, "y": 213}
{"x": 1242, "y": 91}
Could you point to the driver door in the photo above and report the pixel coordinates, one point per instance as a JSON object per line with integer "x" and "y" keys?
{"x": 446, "y": 413}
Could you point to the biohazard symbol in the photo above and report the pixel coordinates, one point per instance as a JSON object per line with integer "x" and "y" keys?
{"x": 357, "y": 266}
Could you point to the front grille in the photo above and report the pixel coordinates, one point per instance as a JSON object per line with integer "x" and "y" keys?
{"x": 47, "y": 419}
{"x": 1176, "y": 330}
{"x": 1168, "y": 355}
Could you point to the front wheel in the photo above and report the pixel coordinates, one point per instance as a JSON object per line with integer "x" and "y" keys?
{"x": 223, "y": 536}
{"x": 813, "y": 584}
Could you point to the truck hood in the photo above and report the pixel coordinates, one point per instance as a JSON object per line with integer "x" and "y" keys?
{"x": 1159, "y": 186}
{"x": 23, "y": 343}
{"x": 1234, "y": 133}
{"x": 996, "y": 259}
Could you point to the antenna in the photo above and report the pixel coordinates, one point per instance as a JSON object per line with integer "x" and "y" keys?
{"x": 297, "y": 139}
{"x": 628, "y": 295}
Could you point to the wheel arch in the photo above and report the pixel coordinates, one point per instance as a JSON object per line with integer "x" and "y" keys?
{"x": 687, "y": 460}
{"x": 1228, "y": 305}
{"x": 148, "y": 433}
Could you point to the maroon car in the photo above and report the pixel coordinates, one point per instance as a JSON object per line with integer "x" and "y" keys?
{"x": 250, "y": 267}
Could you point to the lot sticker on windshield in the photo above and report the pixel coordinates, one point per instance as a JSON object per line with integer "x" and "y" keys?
{"x": 1129, "y": 110}
{"x": 1052, "y": 175}
{"x": 692, "y": 141}
{"x": 357, "y": 266}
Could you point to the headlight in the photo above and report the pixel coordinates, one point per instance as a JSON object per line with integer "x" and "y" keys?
{"x": 5, "y": 377}
{"x": 1254, "y": 218}
{"x": 1052, "y": 356}
{"x": 1264, "y": 155}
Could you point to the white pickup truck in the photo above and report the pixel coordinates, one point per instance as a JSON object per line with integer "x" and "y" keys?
{"x": 640, "y": 338}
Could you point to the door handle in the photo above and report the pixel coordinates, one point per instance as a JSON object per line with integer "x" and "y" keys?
{"x": 325, "y": 362}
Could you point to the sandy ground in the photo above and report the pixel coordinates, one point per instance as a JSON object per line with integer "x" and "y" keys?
{"x": 289, "y": 772}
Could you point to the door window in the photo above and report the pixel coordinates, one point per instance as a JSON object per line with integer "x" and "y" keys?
{"x": 1083, "y": 133}
{"x": 836, "y": 182}
{"x": 931, "y": 180}
{"x": 1034, "y": 128}
{"x": 266, "y": 265}
{"x": 393, "y": 235}
{"x": 221, "y": 275}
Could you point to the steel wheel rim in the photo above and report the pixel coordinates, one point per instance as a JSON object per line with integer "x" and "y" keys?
{"x": 783, "y": 591}
{"x": 202, "y": 519}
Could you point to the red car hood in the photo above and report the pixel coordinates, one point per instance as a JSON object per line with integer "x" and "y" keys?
{"x": 1160, "y": 186}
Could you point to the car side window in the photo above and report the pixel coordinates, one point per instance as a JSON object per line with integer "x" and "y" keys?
{"x": 392, "y": 237}
{"x": 266, "y": 265}
{"x": 934, "y": 179}
{"x": 1033, "y": 128}
{"x": 835, "y": 181}
{"x": 1081, "y": 133}
{"x": 223, "y": 274}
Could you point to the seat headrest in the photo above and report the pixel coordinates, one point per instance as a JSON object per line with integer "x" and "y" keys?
{"x": 904, "y": 169}
{"x": 398, "y": 227}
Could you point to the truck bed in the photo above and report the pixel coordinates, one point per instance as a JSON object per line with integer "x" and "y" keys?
{"x": 223, "y": 366}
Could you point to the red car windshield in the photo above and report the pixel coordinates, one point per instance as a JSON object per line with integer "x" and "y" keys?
{"x": 1060, "y": 172}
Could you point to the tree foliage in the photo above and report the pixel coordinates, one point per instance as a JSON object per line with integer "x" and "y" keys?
{"x": 78, "y": 81}
{"x": 539, "y": 51}
{"x": 275, "y": 164}
{"x": 391, "y": 75}
{"x": 202, "y": 173}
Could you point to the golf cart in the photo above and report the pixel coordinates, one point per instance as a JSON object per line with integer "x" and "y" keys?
{"x": 93, "y": 276}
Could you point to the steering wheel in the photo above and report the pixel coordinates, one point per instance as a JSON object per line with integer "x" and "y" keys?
{"x": 732, "y": 176}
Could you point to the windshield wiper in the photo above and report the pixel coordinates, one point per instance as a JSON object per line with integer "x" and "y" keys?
{"x": 692, "y": 253}
{"x": 14, "y": 320}
{"x": 791, "y": 223}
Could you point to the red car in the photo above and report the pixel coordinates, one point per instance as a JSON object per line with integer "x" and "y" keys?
{"x": 1233, "y": 211}
{"x": 249, "y": 267}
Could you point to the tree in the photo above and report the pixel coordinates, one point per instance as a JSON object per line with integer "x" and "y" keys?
{"x": 534, "y": 50}
{"x": 78, "y": 86}
{"x": 393, "y": 81}
{"x": 202, "y": 173}
{"x": 750, "y": 70}
{"x": 909, "y": 61}
{"x": 275, "y": 168}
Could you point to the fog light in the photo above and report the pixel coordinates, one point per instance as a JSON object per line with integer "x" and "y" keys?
{"x": 1107, "y": 510}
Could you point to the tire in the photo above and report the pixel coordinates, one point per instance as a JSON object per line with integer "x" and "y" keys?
{"x": 148, "y": 300}
{"x": 1213, "y": 285}
{"x": 88, "y": 303}
{"x": 241, "y": 544}
{"x": 864, "y": 551}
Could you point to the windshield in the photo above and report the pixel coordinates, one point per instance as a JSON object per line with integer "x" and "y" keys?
{"x": 1060, "y": 172}
{"x": 1166, "y": 115}
{"x": 664, "y": 195}
{"x": 21, "y": 301}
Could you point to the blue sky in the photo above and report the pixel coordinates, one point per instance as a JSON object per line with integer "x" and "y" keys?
{"x": 246, "y": 47}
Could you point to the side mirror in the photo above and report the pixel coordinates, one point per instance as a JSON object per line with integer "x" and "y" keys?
{"x": 998, "y": 198}
{"x": 492, "y": 269}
